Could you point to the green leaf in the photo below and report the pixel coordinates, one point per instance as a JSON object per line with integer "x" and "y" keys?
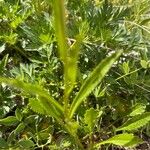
{"x": 9, "y": 121}
{"x": 102, "y": 93}
{"x": 36, "y": 106}
{"x": 48, "y": 103}
{"x": 144, "y": 64}
{"x": 125, "y": 140}
{"x": 72, "y": 127}
{"x": 19, "y": 128}
{"x": 44, "y": 134}
{"x": 26, "y": 143}
{"x": 30, "y": 119}
{"x": 126, "y": 68}
{"x": 138, "y": 109}
{"x": 3, "y": 63}
{"x": 11, "y": 137}
{"x": 3, "y": 143}
{"x": 18, "y": 114}
{"x": 92, "y": 81}
{"x": 90, "y": 118}
{"x": 136, "y": 122}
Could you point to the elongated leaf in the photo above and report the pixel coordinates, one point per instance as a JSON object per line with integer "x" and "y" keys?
{"x": 26, "y": 144}
{"x": 92, "y": 81}
{"x": 18, "y": 114}
{"x": 45, "y": 98}
{"x": 3, "y": 63}
{"x": 50, "y": 109}
{"x": 125, "y": 140}
{"x": 9, "y": 121}
{"x": 19, "y": 128}
{"x": 136, "y": 122}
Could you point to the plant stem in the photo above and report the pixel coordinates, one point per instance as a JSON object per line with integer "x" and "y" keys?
{"x": 91, "y": 142}
{"x": 128, "y": 74}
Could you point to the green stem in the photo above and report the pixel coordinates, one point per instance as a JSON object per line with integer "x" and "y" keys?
{"x": 128, "y": 74}
{"x": 60, "y": 29}
{"x": 91, "y": 142}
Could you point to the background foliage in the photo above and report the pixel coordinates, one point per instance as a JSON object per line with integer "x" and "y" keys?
{"x": 29, "y": 43}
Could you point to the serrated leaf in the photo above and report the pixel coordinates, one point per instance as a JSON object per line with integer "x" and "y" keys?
{"x": 3, "y": 143}
{"x": 48, "y": 102}
{"x": 26, "y": 143}
{"x": 92, "y": 81}
{"x": 138, "y": 109}
{"x": 18, "y": 114}
{"x": 136, "y": 122}
{"x": 90, "y": 118}
{"x": 9, "y": 121}
{"x": 125, "y": 140}
{"x": 36, "y": 106}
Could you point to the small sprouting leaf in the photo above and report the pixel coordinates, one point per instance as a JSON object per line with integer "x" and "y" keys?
{"x": 26, "y": 143}
{"x": 138, "y": 109}
{"x": 98, "y": 92}
{"x": 92, "y": 81}
{"x": 3, "y": 143}
{"x": 125, "y": 67}
{"x": 102, "y": 93}
{"x": 144, "y": 64}
{"x": 125, "y": 140}
{"x": 90, "y": 118}
{"x": 9, "y": 121}
{"x": 136, "y": 122}
{"x": 18, "y": 114}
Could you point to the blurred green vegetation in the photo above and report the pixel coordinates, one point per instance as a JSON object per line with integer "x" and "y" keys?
{"x": 55, "y": 48}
